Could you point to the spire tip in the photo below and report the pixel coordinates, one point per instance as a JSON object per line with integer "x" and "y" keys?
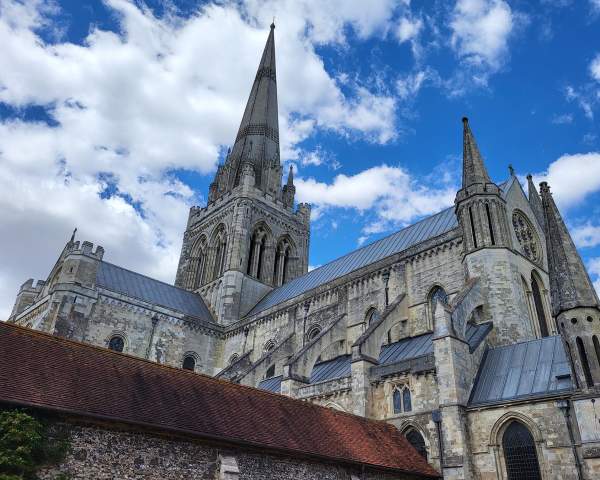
{"x": 465, "y": 120}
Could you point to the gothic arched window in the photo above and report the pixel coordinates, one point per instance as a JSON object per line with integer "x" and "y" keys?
{"x": 197, "y": 264}
{"x": 596, "y": 348}
{"x": 116, "y": 343}
{"x": 585, "y": 364}
{"x": 281, "y": 272}
{"x": 256, "y": 255}
{"x": 371, "y": 315}
{"x": 219, "y": 247}
{"x": 313, "y": 332}
{"x": 401, "y": 399}
{"x": 189, "y": 363}
{"x": 539, "y": 306}
{"x": 436, "y": 293}
{"x": 417, "y": 441}
{"x": 519, "y": 453}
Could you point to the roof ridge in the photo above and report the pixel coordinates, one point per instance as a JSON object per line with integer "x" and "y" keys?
{"x": 500, "y": 347}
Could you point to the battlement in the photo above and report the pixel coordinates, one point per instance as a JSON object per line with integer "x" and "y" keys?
{"x": 87, "y": 248}
{"x": 28, "y": 286}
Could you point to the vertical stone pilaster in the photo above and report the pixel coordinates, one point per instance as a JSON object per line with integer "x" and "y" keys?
{"x": 361, "y": 387}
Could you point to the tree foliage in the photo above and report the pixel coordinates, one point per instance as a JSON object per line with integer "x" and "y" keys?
{"x": 26, "y": 444}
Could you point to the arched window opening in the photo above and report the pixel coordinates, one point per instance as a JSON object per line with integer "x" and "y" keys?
{"x": 401, "y": 399}
{"x": 406, "y": 400}
{"x": 116, "y": 344}
{"x": 417, "y": 441}
{"x": 219, "y": 246}
{"x": 256, "y": 256}
{"x": 584, "y": 362}
{"x": 189, "y": 363}
{"x": 269, "y": 346}
{"x": 270, "y": 372}
{"x": 436, "y": 293}
{"x": 596, "y": 348}
{"x": 472, "y": 227}
{"x": 234, "y": 358}
{"x": 372, "y": 315}
{"x": 489, "y": 219}
{"x": 520, "y": 454}
{"x": 282, "y": 255}
{"x": 313, "y": 332}
{"x": 197, "y": 264}
{"x": 539, "y": 306}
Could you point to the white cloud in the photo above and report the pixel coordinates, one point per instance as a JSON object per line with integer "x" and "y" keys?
{"x": 408, "y": 86}
{"x": 480, "y": 33}
{"x": 160, "y": 94}
{"x": 408, "y": 29}
{"x": 595, "y": 65}
{"x": 572, "y": 177}
{"x": 394, "y": 196}
{"x": 563, "y": 119}
{"x": 586, "y": 235}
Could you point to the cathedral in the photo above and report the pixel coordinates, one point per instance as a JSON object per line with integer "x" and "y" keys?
{"x": 475, "y": 331}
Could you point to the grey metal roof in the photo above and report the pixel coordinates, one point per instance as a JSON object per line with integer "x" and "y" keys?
{"x": 132, "y": 284}
{"x": 337, "y": 368}
{"x": 534, "y": 368}
{"x": 425, "y": 229}
{"x": 272, "y": 384}
{"x": 413, "y": 347}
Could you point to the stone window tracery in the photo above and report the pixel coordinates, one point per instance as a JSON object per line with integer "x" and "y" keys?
{"x": 402, "y": 399}
{"x": 116, "y": 343}
{"x": 520, "y": 453}
{"x": 526, "y": 237}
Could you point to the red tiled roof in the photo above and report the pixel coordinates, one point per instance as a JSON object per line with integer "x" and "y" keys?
{"x": 40, "y": 370}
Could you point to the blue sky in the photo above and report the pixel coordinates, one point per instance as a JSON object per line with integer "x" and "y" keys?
{"x": 114, "y": 115}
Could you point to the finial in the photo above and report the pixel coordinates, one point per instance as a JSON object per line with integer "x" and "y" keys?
{"x": 529, "y": 176}
{"x": 290, "y": 179}
{"x": 273, "y": 24}
{"x": 73, "y": 236}
{"x": 465, "y": 120}
{"x": 544, "y": 187}
{"x": 511, "y": 170}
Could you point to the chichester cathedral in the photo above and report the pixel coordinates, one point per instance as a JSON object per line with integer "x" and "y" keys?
{"x": 475, "y": 332}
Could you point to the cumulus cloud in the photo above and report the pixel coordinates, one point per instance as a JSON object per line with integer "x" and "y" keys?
{"x": 572, "y": 178}
{"x": 563, "y": 119}
{"x": 586, "y": 235}
{"x": 594, "y": 269}
{"x": 126, "y": 110}
{"x": 394, "y": 196}
{"x": 481, "y": 30}
{"x": 595, "y": 66}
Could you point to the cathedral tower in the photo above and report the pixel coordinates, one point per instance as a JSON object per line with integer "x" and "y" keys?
{"x": 248, "y": 239}
{"x": 492, "y": 251}
{"x": 574, "y": 300}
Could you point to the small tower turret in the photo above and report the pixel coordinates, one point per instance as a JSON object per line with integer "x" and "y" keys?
{"x": 289, "y": 190}
{"x": 480, "y": 208}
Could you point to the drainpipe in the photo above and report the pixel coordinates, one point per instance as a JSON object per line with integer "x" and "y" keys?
{"x": 386, "y": 278}
{"x": 149, "y": 347}
{"x": 436, "y": 416}
{"x": 564, "y": 405}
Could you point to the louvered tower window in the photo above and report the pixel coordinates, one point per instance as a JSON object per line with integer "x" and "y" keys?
{"x": 520, "y": 454}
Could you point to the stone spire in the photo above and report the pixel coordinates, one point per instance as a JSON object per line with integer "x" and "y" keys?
{"x": 290, "y": 180}
{"x": 535, "y": 202}
{"x": 473, "y": 168}
{"x": 257, "y": 140}
{"x": 570, "y": 284}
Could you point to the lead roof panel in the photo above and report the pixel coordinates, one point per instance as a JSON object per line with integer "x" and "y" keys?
{"x": 427, "y": 228}
{"x": 272, "y": 384}
{"x": 534, "y": 368}
{"x": 132, "y": 284}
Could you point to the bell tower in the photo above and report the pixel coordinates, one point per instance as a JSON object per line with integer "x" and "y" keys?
{"x": 250, "y": 237}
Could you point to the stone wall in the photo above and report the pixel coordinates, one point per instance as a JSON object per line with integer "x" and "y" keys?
{"x": 105, "y": 452}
